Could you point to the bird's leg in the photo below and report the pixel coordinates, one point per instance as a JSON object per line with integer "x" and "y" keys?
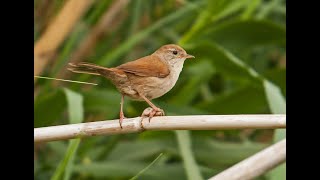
{"x": 151, "y": 112}
{"x": 121, "y": 111}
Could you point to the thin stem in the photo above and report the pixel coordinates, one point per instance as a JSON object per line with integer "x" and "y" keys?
{"x": 42, "y": 77}
{"x": 146, "y": 168}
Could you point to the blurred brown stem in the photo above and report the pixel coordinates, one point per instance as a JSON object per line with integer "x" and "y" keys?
{"x": 57, "y": 31}
{"x": 110, "y": 19}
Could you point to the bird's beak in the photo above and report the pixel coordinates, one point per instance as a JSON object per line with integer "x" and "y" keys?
{"x": 189, "y": 56}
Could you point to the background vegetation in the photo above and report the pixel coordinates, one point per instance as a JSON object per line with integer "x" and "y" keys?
{"x": 240, "y": 68}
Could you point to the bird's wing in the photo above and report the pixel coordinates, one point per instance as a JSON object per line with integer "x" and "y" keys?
{"x": 149, "y": 66}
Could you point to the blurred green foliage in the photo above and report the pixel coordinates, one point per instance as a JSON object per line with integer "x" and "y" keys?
{"x": 240, "y": 50}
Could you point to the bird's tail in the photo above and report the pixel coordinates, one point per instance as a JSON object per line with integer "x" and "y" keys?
{"x": 87, "y": 68}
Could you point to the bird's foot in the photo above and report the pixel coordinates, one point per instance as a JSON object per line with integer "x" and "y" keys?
{"x": 121, "y": 119}
{"x": 150, "y": 112}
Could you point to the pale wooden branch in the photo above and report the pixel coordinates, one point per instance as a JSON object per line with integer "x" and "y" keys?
{"x": 57, "y": 31}
{"x": 197, "y": 122}
{"x": 257, "y": 164}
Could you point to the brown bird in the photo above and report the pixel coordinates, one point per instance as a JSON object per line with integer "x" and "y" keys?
{"x": 144, "y": 79}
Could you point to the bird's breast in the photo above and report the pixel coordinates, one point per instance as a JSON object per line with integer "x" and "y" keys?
{"x": 157, "y": 87}
{"x": 151, "y": 87}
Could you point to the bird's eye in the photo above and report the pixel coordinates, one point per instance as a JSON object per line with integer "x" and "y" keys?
{"x": 175, "y": 52}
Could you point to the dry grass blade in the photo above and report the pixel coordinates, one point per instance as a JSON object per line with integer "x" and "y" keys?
{"x": 57, "y": 32}
{"x": 66, "y": 80}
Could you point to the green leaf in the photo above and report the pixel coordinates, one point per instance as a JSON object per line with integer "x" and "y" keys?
{"x": 223, "y": 154}
{"x": 48, "y": 107}
{"x": 75, "y": 107}
{"x": 243, "y": 100}
{"x": 278, "y": 77}
{"x": 146, "y": 168}
{"x": 224, "y": 61}
{"x": 103, "y": 101}
{"x": 276, "y": 101}
{"x": 277, "y": 105}
{"x": 238, "y": 35}
{"x": 280, "y": 171}
{"x": 190, "y": 164}
{"x": 68, "y": 158}
{"x": 140, "y": 149}
{"x": 200, "y": 74}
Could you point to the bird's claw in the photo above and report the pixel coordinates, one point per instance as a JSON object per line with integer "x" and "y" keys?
{"x": 150, "y": 112}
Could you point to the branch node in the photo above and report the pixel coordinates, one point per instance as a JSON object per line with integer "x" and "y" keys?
{"x": 141, "y": 124}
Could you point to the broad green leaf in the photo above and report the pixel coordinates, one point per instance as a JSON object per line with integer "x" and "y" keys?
{"x": 200, "y": 74}
{"x": 238, "y": 35}
{"x": 278, "y": 77}
{"x": 280, "y": 171}
{"x": 139, "y": 149}
{"x": 75, "y": 109}
{"x": 48, "y": 107}
{"x": 224, "y": 61}
{"x": 275, "y": 99}
{"x": 244, "y": 100}
{"x": 223, "y": 154}
{"x": 277, "y": 105}
{"x": 75, "y": 106}
{"x": 103, "y": 100}
{"x": 189, "y": 163}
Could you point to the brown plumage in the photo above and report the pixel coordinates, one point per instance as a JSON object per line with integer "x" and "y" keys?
{"x": 146, "y": 66}
{"x": 143, "y": 79}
